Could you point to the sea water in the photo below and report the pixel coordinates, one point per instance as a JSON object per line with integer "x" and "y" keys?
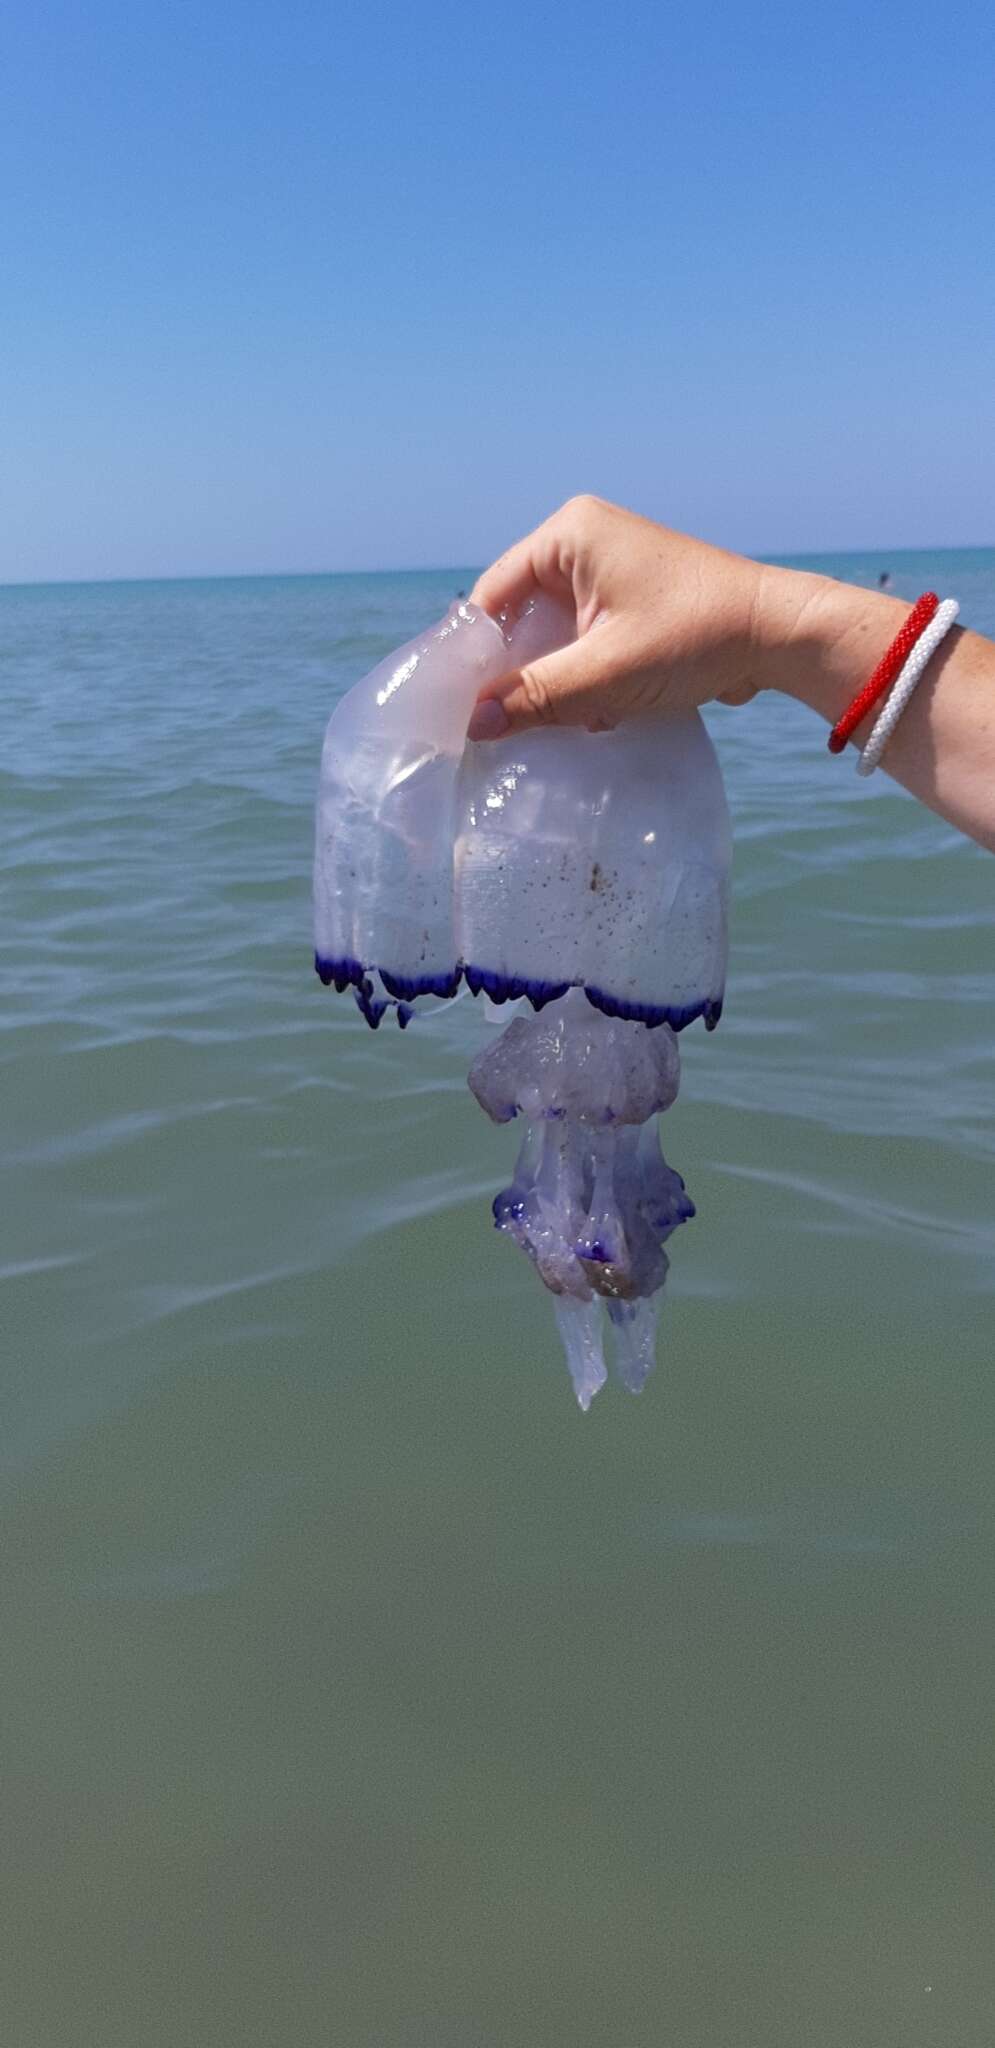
{"x": 355, "y": 1687}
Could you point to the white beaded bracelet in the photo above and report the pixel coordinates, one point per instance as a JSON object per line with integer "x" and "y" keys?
{"x": 922, "y": 653}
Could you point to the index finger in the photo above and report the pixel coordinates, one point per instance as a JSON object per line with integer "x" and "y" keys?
{"x": 532, "y": 564}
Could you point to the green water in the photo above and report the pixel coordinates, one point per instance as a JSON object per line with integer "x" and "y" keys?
{"x": 356, "y": 1688}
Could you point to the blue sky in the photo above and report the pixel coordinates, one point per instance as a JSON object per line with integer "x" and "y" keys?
{"x": 319, "y": 287}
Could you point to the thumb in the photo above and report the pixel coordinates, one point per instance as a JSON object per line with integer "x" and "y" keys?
{"x": 572, "y": 687}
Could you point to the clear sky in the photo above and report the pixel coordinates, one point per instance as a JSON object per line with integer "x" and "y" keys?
{"x": 300, "y": 287}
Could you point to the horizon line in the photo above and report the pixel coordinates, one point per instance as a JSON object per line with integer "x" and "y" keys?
{"x": 439, "y": 568}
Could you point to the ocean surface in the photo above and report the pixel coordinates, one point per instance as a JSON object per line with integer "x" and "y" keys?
{"x": 356, "y": 1689}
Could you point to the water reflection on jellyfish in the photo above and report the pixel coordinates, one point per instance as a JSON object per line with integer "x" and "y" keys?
{"x": 586, "y": 873}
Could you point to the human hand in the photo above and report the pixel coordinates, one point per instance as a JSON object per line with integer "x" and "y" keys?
{"x": 664, "y": 622}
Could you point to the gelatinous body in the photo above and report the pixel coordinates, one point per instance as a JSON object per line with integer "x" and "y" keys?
{"x": 586, "y": 872}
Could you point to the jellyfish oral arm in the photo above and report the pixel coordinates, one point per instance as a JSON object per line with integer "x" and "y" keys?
{"x": 592, "y": 1201}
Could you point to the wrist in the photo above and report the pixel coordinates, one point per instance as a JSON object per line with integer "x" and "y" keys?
{"x": 822, "y": 639}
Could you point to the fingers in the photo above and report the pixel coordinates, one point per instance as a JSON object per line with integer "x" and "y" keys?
{"x": 740, "y": 693}
{"x": 572, "y": 687}
{"x": 509, "y": 582}
{"x": 539, "y": 562}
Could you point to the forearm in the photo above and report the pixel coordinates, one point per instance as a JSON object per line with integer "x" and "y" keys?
{"x": 823, "y": 639}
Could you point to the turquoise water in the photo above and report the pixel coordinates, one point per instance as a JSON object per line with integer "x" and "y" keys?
{"x": 356, "y": 1689}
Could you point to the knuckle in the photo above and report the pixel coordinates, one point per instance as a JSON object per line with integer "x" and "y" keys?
{"x": 585, "y": 505}
{"x": 538, "y": 696}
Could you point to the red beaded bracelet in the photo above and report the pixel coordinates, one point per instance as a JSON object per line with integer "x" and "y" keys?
{"x": 886, "y": 671}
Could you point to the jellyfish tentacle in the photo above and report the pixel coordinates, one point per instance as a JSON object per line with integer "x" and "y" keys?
{"x": 579, "y": 1324}
{"x": 634, "y": 1332}
{"x": 593, "y": 1199}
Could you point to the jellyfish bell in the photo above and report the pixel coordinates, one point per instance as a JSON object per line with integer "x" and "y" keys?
{"x": 587, "y": 872}
{"x": 529, "y": 864}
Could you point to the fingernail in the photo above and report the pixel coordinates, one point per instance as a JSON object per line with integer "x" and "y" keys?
{"x": 488, "y": 721}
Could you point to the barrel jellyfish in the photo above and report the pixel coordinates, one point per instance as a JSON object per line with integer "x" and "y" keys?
{"x": 584, "y": 875}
